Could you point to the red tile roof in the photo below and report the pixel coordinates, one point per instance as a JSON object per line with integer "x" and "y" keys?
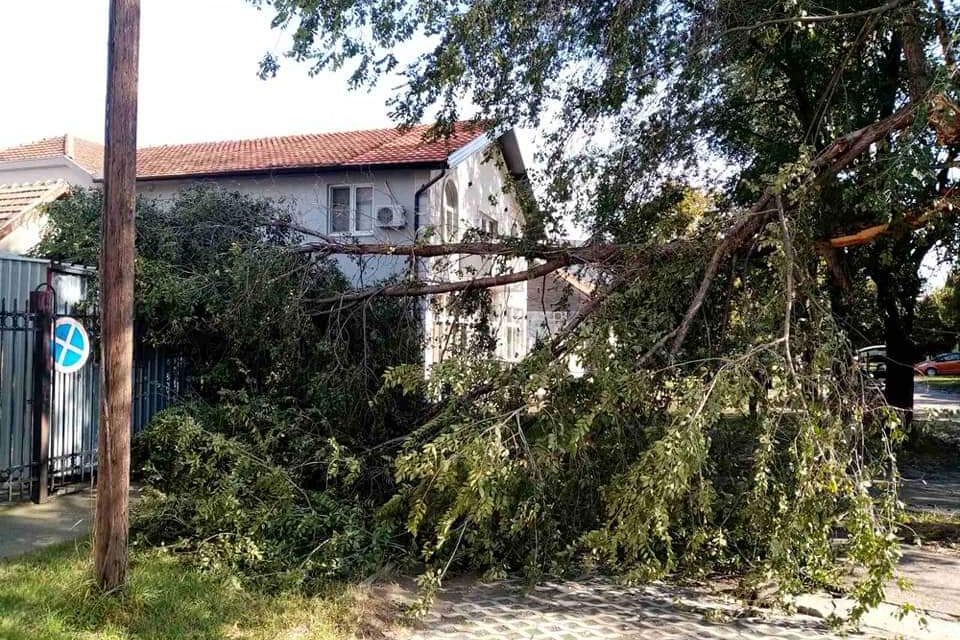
{"x": 375, "y": 147}
{"x": 88, "y": 155}
{"x": 46, "y": 148}
{"x": 17, "y": 200}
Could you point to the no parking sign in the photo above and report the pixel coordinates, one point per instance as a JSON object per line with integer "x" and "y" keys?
{"x": 71, "y": 345}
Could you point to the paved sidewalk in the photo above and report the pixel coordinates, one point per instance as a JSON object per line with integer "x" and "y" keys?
{"x": 934, "y": 574}
{"x": 601, "y": 610}
{"x": 28, "y": 527}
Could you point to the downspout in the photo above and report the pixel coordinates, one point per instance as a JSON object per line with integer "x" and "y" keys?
{"x": 416, "y": 200}
{"x": 416, "y": 264}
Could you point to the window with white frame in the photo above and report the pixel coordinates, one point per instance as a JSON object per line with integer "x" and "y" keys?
{"x": 351, "y": 208}
{"x": 489, "y": 225}
{"x": 449, "y": 213}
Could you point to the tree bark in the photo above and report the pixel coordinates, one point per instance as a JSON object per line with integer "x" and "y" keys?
{"x": 899, "y": 383}
{"x": 116, "y": 274}
{"x": 913, "y": 53}
{"x": 589, "y": 253}
{"x": 897, "y": 329}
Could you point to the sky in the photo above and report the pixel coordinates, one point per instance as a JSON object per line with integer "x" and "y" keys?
{"x": 198, "y": 75}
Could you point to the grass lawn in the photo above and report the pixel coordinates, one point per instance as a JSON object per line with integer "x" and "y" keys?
{"x": 50, "y": 596}
{"x": 942, "y": 383}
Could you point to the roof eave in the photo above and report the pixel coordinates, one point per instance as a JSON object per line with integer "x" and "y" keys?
{"x": 43, "y": 163}
{"x": 506, "y": 138}
{"x": 510, "y": 147}
{"x": 273, "y": 171}
{"x": 33, "y": 163}
{"x": 478, "y": 144}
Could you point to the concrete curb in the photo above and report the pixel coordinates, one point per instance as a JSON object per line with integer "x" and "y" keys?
{"x": 885, "y": 618}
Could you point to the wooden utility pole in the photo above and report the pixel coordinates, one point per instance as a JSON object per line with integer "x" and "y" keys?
{"x": 116, "y": 276}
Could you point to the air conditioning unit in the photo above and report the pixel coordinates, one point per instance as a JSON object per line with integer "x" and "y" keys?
{"x": 391, "y": 216}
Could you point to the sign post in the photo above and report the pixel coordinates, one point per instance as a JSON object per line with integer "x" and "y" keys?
{"x": 41, "y": 304}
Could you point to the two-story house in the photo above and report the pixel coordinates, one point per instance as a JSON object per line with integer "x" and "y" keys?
{"x": 375, "y": 186}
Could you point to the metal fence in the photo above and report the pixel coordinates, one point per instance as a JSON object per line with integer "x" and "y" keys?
{"x": 159, "y": 380}
{"x": 16, "y": 399}
{"x": 19, "y": 275}
{"x": 62, "y": 409}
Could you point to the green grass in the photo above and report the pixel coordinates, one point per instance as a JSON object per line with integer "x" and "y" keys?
{"x": 931, "y": 526}
{"x": 50, "y": 596}
{"x": 944, "y": 383}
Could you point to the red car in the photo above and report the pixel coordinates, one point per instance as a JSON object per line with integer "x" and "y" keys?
{"x": 945, "y": 364}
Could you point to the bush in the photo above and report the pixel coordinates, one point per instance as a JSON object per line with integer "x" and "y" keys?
{"x": 256, "y": 472}
{"x": 219, "y": 485}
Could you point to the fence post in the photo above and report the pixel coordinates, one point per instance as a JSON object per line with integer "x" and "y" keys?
{"x": 41, "y": 304}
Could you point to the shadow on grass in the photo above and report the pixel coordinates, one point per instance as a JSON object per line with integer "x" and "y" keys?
{"x": 51, "y": 595}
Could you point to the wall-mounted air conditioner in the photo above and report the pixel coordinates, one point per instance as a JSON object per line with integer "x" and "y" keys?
{"x": 391, "y": 216}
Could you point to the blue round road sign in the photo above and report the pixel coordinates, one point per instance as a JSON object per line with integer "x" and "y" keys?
{"x": 71, "y": 345}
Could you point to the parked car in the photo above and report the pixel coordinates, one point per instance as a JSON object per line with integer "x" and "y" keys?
{"x": 945, "y": 364}
{"x": 873, "y": 359}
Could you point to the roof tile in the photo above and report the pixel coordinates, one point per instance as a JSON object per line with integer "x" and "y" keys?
{"x": 18, "y": 199}
{"x": 88, "y": 155}
{"x": 46, "y": 148}
{"x": 374, "y": 147}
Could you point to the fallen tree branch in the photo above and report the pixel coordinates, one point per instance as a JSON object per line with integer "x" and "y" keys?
{"x": 944, "y": 118}
{"x": 556, "y": 348}
{"x": 591, "y": 253}
{"x": 558, "y": 344}
{"x": 415, "y": 290}
{"x": 860, "y": 237}
{"x": 788, "y": 285}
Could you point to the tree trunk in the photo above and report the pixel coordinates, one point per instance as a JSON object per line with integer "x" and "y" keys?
{"x": 899, "y": 385}
{"x": 116, "y": 275}
{"x": 896, "y": 302}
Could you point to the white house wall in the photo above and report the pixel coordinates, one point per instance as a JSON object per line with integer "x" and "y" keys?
{"x": 59, "y": 168}
{"x": 26, "y": 235}
{"x": 482, "y": 189}
{"x": 306, "y": 197}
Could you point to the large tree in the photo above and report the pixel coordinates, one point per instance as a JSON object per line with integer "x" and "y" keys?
{"x": 744, "y": 168}
{"x": 632, "y": 96}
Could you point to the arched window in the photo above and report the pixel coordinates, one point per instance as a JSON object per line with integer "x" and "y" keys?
{"x": 449, "y": 213}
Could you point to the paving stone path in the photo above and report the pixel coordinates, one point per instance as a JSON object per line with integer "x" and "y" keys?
{"x": 600, "y": 610}
{"x": 29, "y": 527}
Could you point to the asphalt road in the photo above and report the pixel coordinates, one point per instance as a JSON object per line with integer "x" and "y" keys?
{"x": 925, "y": 397}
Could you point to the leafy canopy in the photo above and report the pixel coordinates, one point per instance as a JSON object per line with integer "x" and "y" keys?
{"x": 635, "y": 104}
